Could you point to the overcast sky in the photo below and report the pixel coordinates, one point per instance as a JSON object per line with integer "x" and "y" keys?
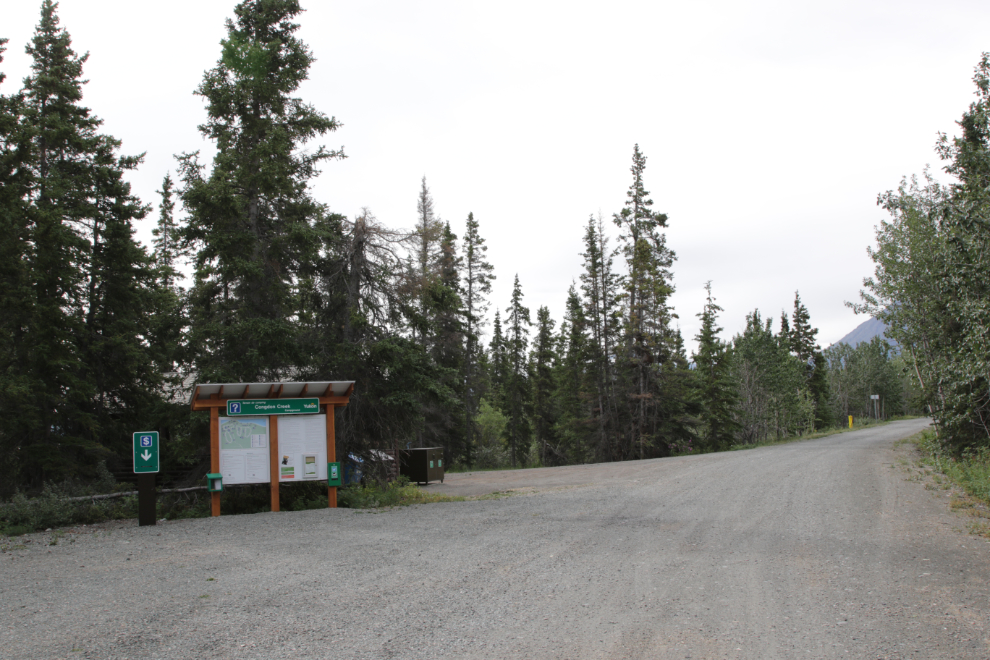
{"x": 769, "y": 127}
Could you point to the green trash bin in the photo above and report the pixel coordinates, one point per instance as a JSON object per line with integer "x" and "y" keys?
{"x": 422, "y": 465}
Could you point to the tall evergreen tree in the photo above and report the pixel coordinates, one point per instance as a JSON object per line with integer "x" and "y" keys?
{"x": 63, "y": 137}
{"x": 517, "y": 385}
{"x": 498, "y": 362}
{"x": 601, "y": 287}
{"x": 647, "y": 333}
{"x": 446, "y": 314}
{"x": 544, "y": 403}
{"x": 16, "y": 294}
{"x": 716, "y": 388}
{"x": 476, "y": 287}
{"x": 252, "y": 219}
{"x": 772, "y": 394}
{"x": 356, "y": 329}
{"x": 167, "y": 240}
{"x": 640, "y": 226}
{"x": 806, "y": 349}
{"x": 425, "y": 265}
{"x": 82, "y": 346}
{"x": 169, "y": 320}
{"x": 802, "y": 335}
{"x": 575, "y": 386}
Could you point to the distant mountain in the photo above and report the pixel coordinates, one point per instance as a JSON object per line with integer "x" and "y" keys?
{"x": 866, "y": 331}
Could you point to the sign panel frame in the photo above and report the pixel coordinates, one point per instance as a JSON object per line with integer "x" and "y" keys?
{"x": 245, "y": 452}
{"x": 299, "y": 437}
{"x": 258, "y": 407}
{"x": 146, "y": 452}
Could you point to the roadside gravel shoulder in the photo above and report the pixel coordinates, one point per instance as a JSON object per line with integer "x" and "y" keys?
{"x": 820, "y": 549}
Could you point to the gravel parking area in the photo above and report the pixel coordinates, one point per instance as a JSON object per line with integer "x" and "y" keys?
{"x": 817, "y": 549}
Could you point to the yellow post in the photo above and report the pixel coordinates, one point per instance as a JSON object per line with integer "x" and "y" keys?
{"x": 850, "y": 421}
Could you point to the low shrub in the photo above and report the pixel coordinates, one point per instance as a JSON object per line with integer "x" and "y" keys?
{"x": 970, "y": 470}
{"x": 397, "y": 493}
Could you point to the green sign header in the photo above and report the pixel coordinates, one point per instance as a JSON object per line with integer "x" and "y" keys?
{"x": 146, "y": 451}
{"x": 237, "y": 407}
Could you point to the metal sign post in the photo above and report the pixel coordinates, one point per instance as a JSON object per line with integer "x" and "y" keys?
{"x": 146, "y": 464}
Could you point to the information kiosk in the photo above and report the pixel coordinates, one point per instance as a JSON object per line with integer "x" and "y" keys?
{"x": 269, "y": 433}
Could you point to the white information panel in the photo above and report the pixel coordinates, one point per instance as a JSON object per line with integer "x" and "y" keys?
{"x": 244, "y": 450}
{"x": 300, "y": 438}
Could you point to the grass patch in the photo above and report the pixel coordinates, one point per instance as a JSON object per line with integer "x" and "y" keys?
{"x": 396, "y": 493}
{"x": 55, "y": 508}
{"x": 858, "y": 426}
{"x": 969, "y": 472}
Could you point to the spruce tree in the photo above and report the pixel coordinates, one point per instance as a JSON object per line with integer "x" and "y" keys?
{"x": 167, "y": 238}
{"x": 544, "y": 387}
{"x": 804, "y": 346}
{"x": 428, "y": 236}
{"x": 16, "y": 294}
{"x": 716, "y": 388}
{"x": 478, "y": 274}
{"x": 802, "y": 335}
{"x": 648, "y": 337}
{"x": 785, "y": 331}
{"x": 84, "y": 346}
{"x": 640, "y": 226}
{"x": 63, "y": 136}
{"x": 575, "y": 385}
{"x": 498, "y": 363}
{"x": 169, "y": 320}
{"x": 446, "y": 347}
{"x": 601, "y": 287}
{"x": 771, "y": 382}
{"x": 517, "y": 384}
{"x": 252, "y": 219}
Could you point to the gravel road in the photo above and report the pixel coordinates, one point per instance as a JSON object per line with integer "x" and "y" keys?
{"x": 816, "y": 549}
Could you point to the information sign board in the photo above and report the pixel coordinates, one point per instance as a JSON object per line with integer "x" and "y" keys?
{"x": 237, "y": 407}
{"x": 146, "y": 452}
{"x": 244, "y": 450}
{"x": 299, "y": 438}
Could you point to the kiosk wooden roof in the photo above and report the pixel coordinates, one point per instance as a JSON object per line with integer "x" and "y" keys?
{"x": 335, "y": 392}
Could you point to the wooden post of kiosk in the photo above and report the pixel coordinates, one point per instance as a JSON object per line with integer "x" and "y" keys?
{"x": 273, "y": 457}
{"x": 331, "y": 452}
{"x": 214, "y": 452}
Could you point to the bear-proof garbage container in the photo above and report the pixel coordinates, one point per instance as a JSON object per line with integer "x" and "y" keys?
{"x": 422, "y": 465}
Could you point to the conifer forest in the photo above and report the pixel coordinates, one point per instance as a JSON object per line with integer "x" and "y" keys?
{"x": 250, "y": 278}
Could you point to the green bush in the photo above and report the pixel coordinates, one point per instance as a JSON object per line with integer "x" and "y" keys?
{"x": 970, "y": 469}
{"x": 54, "y": 508}
{"x": 397, "y": 493}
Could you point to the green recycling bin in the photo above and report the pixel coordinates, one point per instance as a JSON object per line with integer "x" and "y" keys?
{"x": 422, "y": 465}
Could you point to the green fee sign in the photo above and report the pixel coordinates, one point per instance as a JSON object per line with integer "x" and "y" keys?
{"x": 146, "y": 451}
{"x": 237, "y": 407}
